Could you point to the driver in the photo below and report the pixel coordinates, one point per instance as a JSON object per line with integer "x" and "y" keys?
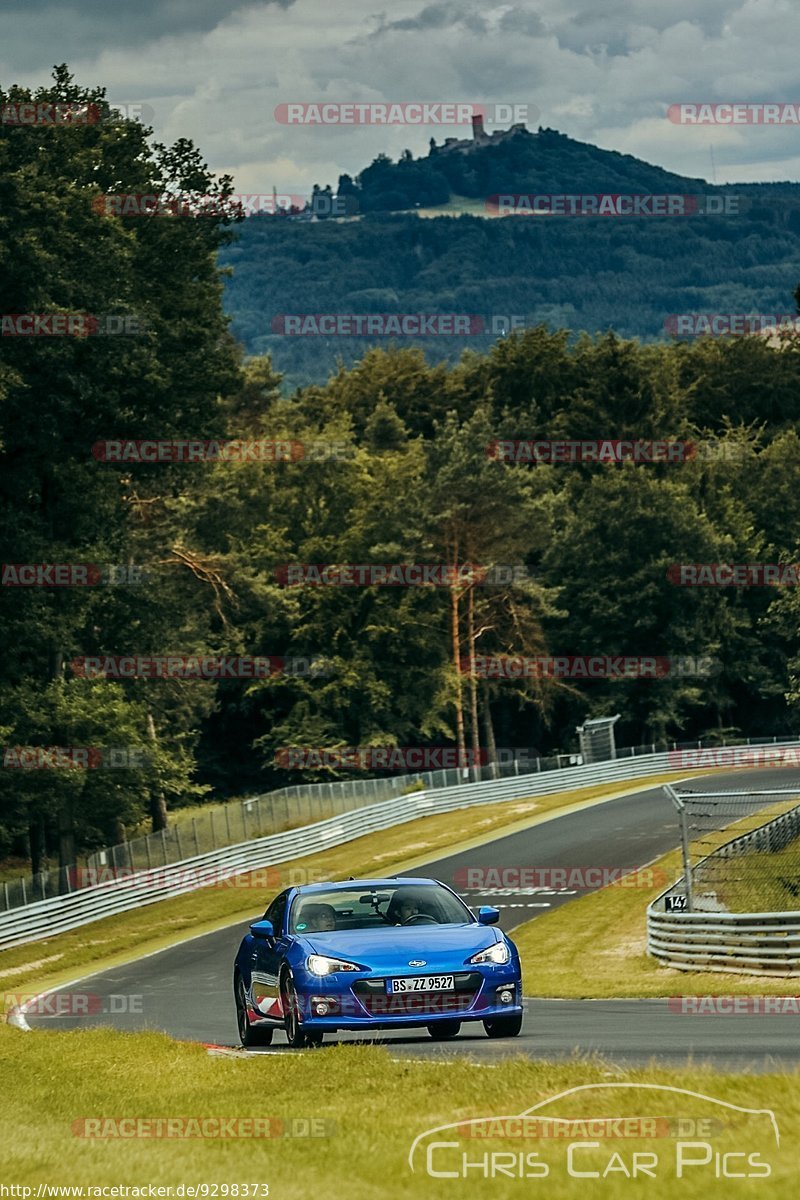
{"x": 404, "y": 906}
{"x": 407, "y": 909}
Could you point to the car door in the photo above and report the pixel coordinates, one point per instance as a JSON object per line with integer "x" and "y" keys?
{"x": 266, "y": 958}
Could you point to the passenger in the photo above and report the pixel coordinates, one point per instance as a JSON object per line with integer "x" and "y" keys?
{"x": 320, "y": 918}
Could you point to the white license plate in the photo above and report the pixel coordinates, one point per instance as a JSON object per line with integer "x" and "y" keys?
{"x": 424, "y": 983}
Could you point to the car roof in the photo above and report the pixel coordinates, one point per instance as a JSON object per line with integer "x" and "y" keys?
{"x": 351, "y": 885}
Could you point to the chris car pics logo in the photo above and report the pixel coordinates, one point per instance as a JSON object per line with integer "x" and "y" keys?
{"x": 606, "y": 1132}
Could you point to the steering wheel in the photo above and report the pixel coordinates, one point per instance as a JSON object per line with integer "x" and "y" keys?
{"x": 420, "y": 919}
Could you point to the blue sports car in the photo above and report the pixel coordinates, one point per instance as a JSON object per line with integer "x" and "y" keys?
{"x": 374, "y": 954}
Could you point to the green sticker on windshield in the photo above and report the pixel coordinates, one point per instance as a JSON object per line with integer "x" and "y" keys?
{"x": 301, "y": 925}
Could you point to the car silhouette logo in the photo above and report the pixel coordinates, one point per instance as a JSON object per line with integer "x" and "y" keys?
{"x": 418, "y": 962}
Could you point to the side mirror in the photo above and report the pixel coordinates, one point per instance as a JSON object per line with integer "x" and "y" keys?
{"x": 488, "y": 915}
{"x": 262, "y": 929}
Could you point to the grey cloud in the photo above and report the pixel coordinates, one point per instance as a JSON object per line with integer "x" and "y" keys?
{"x": 444, "y": 15}
{"x": 45, "y": 31}
{"x": 525, "y": 21}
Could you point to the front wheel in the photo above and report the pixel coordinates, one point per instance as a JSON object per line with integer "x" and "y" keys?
{"x": 295, "y": 1034}
{"x": 249, "y": 1035}
{"x": 498, "y": 1027}
{"x": 442, "y": 1031}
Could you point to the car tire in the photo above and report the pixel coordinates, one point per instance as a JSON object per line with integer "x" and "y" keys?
{"x": 295, "y": 1034}
{"x": 249, "y": 1035}
{"x": 498, "y": 1027}
{"x": 442, "y": 1031}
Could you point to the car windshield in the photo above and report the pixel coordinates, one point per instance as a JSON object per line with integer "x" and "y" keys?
{"x": 376, "y": 907}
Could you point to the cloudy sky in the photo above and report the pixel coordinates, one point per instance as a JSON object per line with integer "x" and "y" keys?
{"x": 603, "y": 72}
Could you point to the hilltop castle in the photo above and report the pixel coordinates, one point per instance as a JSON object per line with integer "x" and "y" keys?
{"x": 479, "y": 138}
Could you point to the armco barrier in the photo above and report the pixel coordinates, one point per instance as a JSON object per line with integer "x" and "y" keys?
{"x": 734, "y": 943}
{"x": 61, "y": 913}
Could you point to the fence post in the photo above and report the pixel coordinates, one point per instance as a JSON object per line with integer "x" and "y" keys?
{"x": 178, "y": 840}
{"x": 228, "y": 821}
{"x": 5, "y": 893}
{"x": 24, "y": 892}
{"x": 147, "y": 851}
{"x": 196, "y": 842}
{"x": 213, "y": 832}
{"x": 687, "y": 865}
{"x": 164, "y": 844}
{"x": 244, "y": 821}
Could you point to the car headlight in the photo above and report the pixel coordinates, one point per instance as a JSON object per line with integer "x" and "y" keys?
{"x": 320, "y": 964}
{"x": 498, "y": 953}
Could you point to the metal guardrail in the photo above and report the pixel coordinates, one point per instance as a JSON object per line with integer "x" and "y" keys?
{"x": 218, "y": 826}
{"x": 47, "y": 918}
{"x": 734, "y": 943}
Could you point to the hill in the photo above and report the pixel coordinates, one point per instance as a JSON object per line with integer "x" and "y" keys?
{"x": 584, "y": 273}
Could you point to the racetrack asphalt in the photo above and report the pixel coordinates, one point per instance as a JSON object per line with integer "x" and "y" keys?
{"x": 186, "y": 991}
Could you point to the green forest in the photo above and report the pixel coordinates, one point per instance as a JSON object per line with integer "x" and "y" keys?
{"x": 409, "y": 481}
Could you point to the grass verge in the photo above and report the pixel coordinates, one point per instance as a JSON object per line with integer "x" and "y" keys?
{"x": 759, "y": 881}
{"x": 374, "y": 1108}
{"x": 113, "y": 940}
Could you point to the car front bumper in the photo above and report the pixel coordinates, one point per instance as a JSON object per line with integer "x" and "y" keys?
{"x": 481, "y": 994}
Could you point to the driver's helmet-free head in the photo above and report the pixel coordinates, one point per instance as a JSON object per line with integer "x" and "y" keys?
{"x": 405, "y": 903}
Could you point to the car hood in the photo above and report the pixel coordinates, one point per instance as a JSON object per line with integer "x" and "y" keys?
{"x": 438, "y": 945}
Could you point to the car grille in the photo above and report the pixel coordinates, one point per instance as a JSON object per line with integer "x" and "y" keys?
{"x": 378, "y": 1003}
